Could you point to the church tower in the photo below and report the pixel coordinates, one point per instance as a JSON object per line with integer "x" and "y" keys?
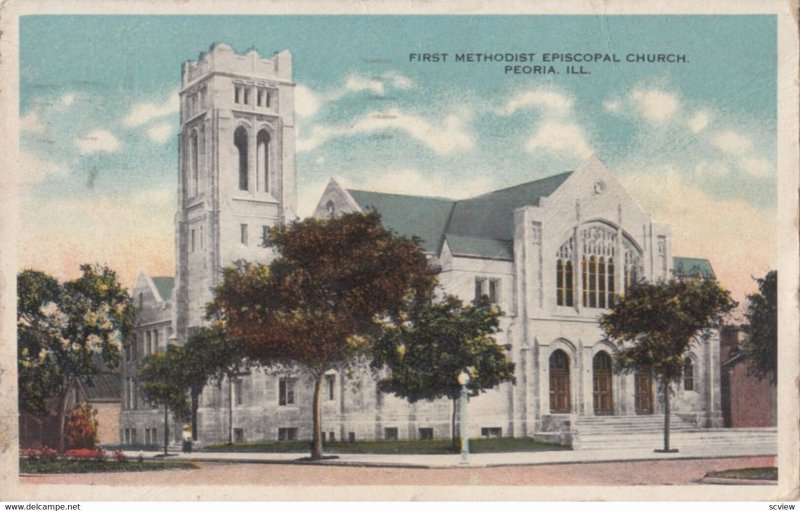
{"x": 236, "y": 175}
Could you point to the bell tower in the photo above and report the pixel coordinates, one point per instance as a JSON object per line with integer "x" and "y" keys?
{"x": 236, "y": 175}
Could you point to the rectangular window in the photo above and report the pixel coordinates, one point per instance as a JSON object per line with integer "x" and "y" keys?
{"x": 426, "y": 433}
{"x": 127, "y": 436}
{"x": 155, "y": 341}
{"x": 237, "y": 392}
{"x": 390, "y": 433}
{"x": 351, "y": 436}
{"x": 332, "y": 436}
{"x": 494, "y": 290}
{"x": 287, "y": 434}
{"x": 237, "y": 93}
{"x": 148, "y": 343}
{"x": 238, "y": 435}
{"x": 147, "y": 436}
{"x": 265, "y": 236}
{"x": 260, "y": 98}
{"x": 246, "y": 95}
{"x": 243, "y": 234}
{"x": 286, "y": 391}
{"x": 202, "y": 242}
{"x": 480, "y": 287}
{"x": 133, "y": 436}
{"x": 330, "y": 385}
{"x": 492, "y": 432}
{"x": 154, "y": 436}
{"x": 192, "y": 241}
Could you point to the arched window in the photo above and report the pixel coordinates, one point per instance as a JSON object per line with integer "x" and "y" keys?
{"x": 262, "y": 159}
{"x": 240, "y": 141}
{"x": 330, "y": 209}
{"x": 688, "y": 374}
{"x": 599, "y": 245}
{"x": 194, "y": 162}
{"x": 564, "y": 274}
{"x": 559, "y": 382}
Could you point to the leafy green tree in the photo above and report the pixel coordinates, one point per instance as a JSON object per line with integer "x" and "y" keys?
{"x": 163, "y": 381}
{"x": 64, "y": 328}
{"x": 432, "y": 343}
{"x": 37, "y": 329}
{"x": 319, "y": 304}
{"x": 210, "y": 356}
{"x": 654, "y": 325}
{"x": 761, "y": 345}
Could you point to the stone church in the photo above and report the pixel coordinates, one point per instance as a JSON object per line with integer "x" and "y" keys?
{"x": 552, "y": 253}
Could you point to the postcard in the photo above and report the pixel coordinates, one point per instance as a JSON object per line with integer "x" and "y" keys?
{"x": 394, "y": 251}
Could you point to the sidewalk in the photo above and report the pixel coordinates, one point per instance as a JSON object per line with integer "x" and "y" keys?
{"x": 476, "y": 460}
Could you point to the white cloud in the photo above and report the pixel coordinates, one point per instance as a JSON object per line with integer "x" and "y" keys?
{"x": 160, "y": 132}
{"x": 443, "y": 138}
{"x": 655, "y": 106}
{"x": 732, "y": 142}
{"x": 31, "y": 122}
{"x": 553, "y": 102}
{"x": 306, "y": 102}
{"x": 142, "y": 113}
{"x": 97, "y": 141}
{"x": 559, "y": 137}
{"x": 613, "y": 105}
{"x": 67, "y": 100}
{"x": 34, "y": 169}
{"x": 356, "y": 83}
{"x": 712, "y": 168}
{"x": 699, "y": 121}
{"x": 756, "y": 167}
{"x": 709, "y": 227}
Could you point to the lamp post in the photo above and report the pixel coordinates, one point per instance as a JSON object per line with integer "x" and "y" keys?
{"x": 463, "y": 380}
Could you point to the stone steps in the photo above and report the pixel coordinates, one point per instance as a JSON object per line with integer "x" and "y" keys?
{"x": 752, "y": 439}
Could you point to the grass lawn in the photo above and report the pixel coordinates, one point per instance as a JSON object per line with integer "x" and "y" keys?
{"x": 37, "y": 466}
{"x": 437, "y": 446}
{"x": 765, "y": 473}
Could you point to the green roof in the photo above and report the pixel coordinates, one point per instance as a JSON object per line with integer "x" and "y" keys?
{"x": 481, "y": 226}
{"x": 410, "y": 215}
{"x": 692, "y": 267}
{"x": 164, "y": 286}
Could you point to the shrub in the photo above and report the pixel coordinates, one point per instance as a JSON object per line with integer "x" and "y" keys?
{"x": 81, "y": 427}
{"x": 85, "y": 454}
{"x": 120, "y": 456}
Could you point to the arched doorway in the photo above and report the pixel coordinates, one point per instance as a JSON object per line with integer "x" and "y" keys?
{"x": 643, "y": 393}
{"x": 602, "y": 384}
{"x": 559, "y": 382}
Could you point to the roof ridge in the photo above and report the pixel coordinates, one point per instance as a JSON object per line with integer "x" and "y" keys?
{"x": 517, "y": 185}
{"x": 427, "y": 197}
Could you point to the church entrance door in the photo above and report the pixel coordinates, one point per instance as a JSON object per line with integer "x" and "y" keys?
{"x": 559, "y": 382}
{"x": 602, "y": 384}
{"x": 643, "y": 393}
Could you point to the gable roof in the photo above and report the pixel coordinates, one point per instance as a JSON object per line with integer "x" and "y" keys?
{"x": 481, "y": 226}
{"x": 164, "y": 286}
{"x": 684, "y": 267}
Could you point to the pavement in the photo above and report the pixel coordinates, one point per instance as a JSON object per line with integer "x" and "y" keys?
{"x": 497, "y": 459}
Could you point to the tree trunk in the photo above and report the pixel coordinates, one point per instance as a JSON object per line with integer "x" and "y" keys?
{"x": 195, "y": 405}
{"x": 454, "y": 436}
{"x": 166, "y": 428}
{"x": 666, "y": 414}
{"x": 230, "y": 410}
{"x": 316, "y": 444}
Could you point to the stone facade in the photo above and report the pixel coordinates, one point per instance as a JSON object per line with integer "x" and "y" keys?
{"x": 551, "y": 253}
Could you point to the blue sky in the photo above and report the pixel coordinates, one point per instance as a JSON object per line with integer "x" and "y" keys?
{"x": 694, "y": 142}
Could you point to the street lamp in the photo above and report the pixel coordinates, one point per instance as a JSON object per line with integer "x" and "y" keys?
{"x": 463, "y": 380}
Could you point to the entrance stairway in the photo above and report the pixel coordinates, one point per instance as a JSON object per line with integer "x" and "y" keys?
{"x": 647, "y": 432}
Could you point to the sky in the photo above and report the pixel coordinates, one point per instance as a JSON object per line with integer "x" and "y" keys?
{"x": 693, "y": 141}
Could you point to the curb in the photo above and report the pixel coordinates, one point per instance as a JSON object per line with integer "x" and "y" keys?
{"x": 730, "y": 481}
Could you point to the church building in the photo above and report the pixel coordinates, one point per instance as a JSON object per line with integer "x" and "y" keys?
{"x": 552, "y": 253}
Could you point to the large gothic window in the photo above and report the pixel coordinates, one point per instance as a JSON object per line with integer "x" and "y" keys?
{"x": 262, "y": 159}
{"x": 596, "y": 267}
{"x": 240, "y": 141}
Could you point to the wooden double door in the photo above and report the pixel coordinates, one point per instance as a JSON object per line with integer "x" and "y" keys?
{"x": 602, "y": 384}
{"x": 643, "y": 393}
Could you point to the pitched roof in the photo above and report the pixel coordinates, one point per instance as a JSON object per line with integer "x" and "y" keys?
{"x": 164, "y": 285}
{"x": 104, "y": 387}
{"x": 481, "y": 226}
{"x": 692, "y": 267}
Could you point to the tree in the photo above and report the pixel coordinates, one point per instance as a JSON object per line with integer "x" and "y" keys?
{"x": 163, "y": 381}
{"x": 64, "y": 327}
{"x": 319, "y": 304}
{"x": 82, "y": 427}
{"x": 432, "y": 343}
{"x": 209, "y": 355}
{"x": 654, "y": 326}
{"x": 761, "y": 345}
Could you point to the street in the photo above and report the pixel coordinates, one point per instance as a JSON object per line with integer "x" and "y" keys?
{"x": 668, "y": 472}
